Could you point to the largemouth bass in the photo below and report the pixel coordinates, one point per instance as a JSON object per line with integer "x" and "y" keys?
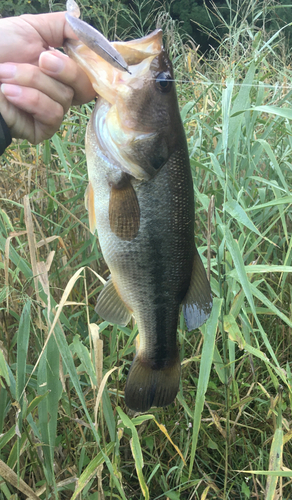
{"x": 140, "y": 200}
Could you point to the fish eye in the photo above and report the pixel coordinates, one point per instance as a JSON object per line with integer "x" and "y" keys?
{"x": 163, "y": 82}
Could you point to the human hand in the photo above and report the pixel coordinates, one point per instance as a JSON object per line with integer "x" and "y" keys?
{"x": 34, "y": 98}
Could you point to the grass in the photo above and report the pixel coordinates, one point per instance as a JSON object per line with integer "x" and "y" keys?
{"x": 64, "y": 429}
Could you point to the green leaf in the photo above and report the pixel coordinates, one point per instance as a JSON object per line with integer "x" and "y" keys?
{"x": 90, "y": 470}
{"x": 234, "y": 250}
{"x": 54, "y": 387}
{"x": 236, "y": 211}
{"x": 272, "y": 203}
{"x": 241, "y": 102}
{"x": 5, "y": 438}
{"x": 69, "y": 363}
{"x": 22, "y": 348}
{"x": 186, "y": 109}
{"x": 232, "y": 328}
{"x": 84, "y": 356}
{"x": 136, "y": 451}
{"x": 141, "y": 419}
{"x": 261, "y": 269}
{"x": 274, "y": 162}
{"x": 3, "y": 369}
{"x": 209, "y": 331}
{"x": 272, "y": 473}
{"x": 62, "y": 151}
{"x": 226, "y": 106}
{"x": 34, "y": 403}
{"x": 274, "y": 110}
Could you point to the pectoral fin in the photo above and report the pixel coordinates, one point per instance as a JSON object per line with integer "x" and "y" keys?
{"x": 124, "y": 211}
{"x": 197, "y": 303}
{"x": 111, "y": 307}
{"x": 89, "y": 205}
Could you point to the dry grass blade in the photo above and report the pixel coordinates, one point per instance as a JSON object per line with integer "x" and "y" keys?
{"x": 100, "y": 391}
{"x": 66, "y": 210}
{"x": 65, "y": 295}
{"x": 31, "y": 243}
{"x": 211, "y": 213}
{"x": 50, "y": 239}
{"x": 42, "y": 272}
{"x": 6, "y": 264}
{"x": 164, "y": 430}
{"x": 11, "y": 477}
{"x": 276, "y": 453}
{"x": 98, "y": 351}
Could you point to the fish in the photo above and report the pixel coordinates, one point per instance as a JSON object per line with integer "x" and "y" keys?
{"x": 140, "y": 200}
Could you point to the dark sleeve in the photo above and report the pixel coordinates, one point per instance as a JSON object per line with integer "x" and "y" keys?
{"x": 5, "y": 136}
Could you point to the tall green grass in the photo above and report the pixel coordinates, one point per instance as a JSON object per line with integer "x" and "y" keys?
{"x": 64, "y": 429}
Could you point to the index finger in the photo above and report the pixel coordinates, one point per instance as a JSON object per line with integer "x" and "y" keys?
{"x": 52, "y": 28}
{"x": 65, "y": 70}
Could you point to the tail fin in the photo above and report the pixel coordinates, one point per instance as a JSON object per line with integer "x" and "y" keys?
{"x": 148, "y": 387}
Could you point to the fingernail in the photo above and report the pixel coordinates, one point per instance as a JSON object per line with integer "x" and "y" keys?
{"x": 10, "y": 90}
{"x": 51, "y": 63}
{"x": 7, "y": 70}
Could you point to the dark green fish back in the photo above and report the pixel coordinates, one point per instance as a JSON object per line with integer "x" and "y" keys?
{"x": 155, "y": 271}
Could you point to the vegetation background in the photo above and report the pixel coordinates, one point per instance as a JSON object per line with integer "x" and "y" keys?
{"x": 64, "y": 429}
{"x": 197, "y": 18}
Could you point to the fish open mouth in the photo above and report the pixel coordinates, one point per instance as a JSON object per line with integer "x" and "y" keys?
{"x": 133, "y": 119}
{"x": 108, "y": 81}
{"x": 119, "y": 119}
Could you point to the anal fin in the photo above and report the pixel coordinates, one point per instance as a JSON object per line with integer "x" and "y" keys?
{"x": 111, "y": 307}
{"x": 197, "y": 304}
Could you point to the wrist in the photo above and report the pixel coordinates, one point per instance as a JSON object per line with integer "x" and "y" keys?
{"x": 5, "y": 135}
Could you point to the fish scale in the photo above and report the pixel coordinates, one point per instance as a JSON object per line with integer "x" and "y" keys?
{"x": 141, "y": 202}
